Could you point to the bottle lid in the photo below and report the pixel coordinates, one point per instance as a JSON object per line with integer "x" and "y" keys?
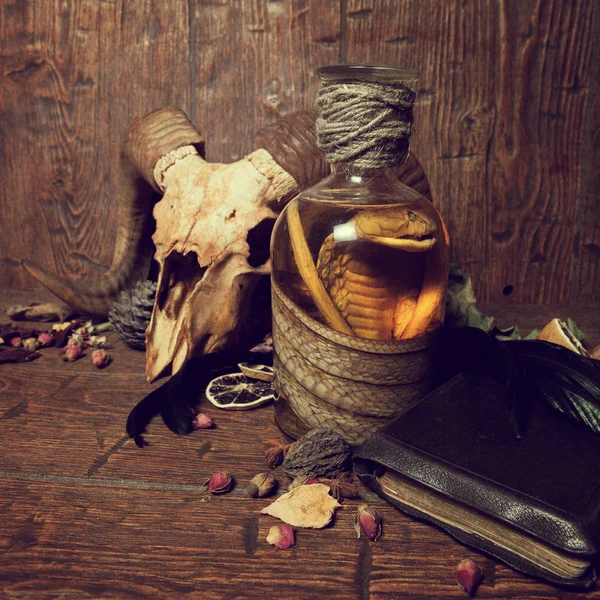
{"x": 368, "y": 72}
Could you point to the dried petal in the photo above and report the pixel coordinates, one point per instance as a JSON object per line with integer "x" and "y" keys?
{"x": 220, "y": 483}
{"x": 275, "y": 452}
{"x": 61, "y": 333}
{"x": 367, "y": 521}
{"x": 39, "y": 311}
{"x": 96, "y": 341}
{"x": 17, "y": 355}
{"x": 202, "y": 421}
{"x": 281, "y": 536}
{"x": 468, "y": 575}
{"x": 261, "y": 485}
{"x": 304, "y": 506}
{"x": 100, "y": 358}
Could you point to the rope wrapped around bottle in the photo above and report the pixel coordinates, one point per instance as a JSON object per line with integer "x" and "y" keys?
{"x": 367, "y": 123}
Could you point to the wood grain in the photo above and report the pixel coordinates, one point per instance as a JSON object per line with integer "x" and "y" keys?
{"x": 586, "y": 258}
{"x": 506, "y": 124}
{"x": 254, "y": 62}
{"x": 500, "y": 129}
{"x": 87, "y": 514}
{"x": 74, "y": 74}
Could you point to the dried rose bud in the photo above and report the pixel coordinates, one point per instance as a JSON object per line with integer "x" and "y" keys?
{"x": 281, "y": 536}
{"x": 468, "y": 575}
{"x": 368, "y": 521}
{"x": 202, "y": 421}
{"x": 72, "y": 353}
{"x": 45, "y": 339}
{"x": 31, "y": 344}
{"x": 100, "y": 358}
{"x": 82, "y": 331}
{"x": 76, "y": 340}
{"x": 275, "y": 452}
{"x": 15, "y": 342}
{"x": 261, "y": 485}
{"x": 220, "y": 483}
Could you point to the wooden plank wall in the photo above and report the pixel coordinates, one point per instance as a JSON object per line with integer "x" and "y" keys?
{"x": 507, "y": 123}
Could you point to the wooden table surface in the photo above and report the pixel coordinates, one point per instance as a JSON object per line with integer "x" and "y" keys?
{"x": 87, "y": 514}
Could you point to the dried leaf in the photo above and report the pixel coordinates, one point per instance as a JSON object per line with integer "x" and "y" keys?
{"x": 304, "y": 506}
{"x": 16, "y": 355}
{"x": 461, "y": 308}
{"x": 39, "y": 311}
{"x": 575, "y": 330}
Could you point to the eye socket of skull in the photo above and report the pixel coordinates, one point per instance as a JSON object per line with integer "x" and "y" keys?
{"x": 259, "y": 241}
{"x": 181, "y": 273}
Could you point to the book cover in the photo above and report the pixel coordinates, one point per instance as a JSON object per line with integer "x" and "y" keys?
{"x": 453, "y": 460}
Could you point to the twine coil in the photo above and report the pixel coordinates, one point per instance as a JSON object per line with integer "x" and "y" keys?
{"x": 365, "y": 122}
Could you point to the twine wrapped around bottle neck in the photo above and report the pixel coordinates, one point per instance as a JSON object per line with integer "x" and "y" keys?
{"x": 365, "y": 123}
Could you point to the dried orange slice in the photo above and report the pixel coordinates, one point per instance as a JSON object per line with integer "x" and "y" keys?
{"x": 262, "y": 372}
{"x": 236, "y": 391}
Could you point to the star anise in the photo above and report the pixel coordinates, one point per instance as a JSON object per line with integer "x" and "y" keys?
{"x": 341, "y": 486}
{"x": 275, "y": 452}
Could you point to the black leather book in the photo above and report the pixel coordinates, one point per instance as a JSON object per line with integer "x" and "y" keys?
{"x": 454, "y": 461}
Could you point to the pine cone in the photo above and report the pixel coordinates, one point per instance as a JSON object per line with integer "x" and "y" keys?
{"x": 130, "y": 315}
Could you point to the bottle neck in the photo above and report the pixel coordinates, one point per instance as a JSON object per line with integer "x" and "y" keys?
{"x": 359, "y": 175}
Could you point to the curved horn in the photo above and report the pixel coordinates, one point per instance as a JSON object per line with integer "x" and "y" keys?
{"x": 292, "y": 142}
{"x": 147, "y": 140}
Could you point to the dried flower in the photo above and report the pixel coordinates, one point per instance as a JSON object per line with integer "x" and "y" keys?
{"x": 72, "y": 353}
{"x": 281, "y": 536}
{"x": 275, "y": 452}
{"x": 368, "y": 521}
{"x": 15, "y": 341}
{"x": 96, "y": 341}
{"x": 220, "y": 483}
{"x": 76, "y": 340}
{"x": 100, "y": 358}
{"x": 31, "y": 344}
{"x": 202, "y": 421}
{"x": 341, "y": 486}
{"x": 468, "y": 575}
{"x": 261, "y": 485}
{"x": 45, "y": 339}
{"x": 81, "y": 331}
{"x": 64, "y": 326}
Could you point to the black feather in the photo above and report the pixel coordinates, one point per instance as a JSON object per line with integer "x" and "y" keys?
{"x": 177, "y": 399}
{"x": 532, "y": 370}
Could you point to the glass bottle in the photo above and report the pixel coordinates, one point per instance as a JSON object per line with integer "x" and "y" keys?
{"x": 359, "y": 275}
